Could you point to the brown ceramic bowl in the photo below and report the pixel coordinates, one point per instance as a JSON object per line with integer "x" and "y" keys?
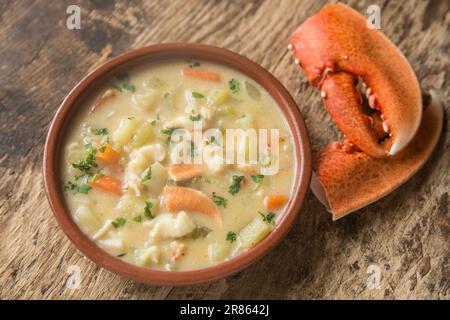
{"x": 163, "y": 52}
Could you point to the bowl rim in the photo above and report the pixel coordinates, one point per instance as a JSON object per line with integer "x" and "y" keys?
{"x": 174, "y": 51}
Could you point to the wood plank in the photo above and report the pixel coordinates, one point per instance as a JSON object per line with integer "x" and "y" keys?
{"x": 406, "y": 234}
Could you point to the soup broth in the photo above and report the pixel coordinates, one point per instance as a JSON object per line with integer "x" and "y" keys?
{"x": 130, "y": 189}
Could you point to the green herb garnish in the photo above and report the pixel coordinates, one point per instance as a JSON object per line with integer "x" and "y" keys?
{"x": 77, "y": 188}
{"x": 197, "y": 95}
{"x": 147, "y": 210}
{"x": 100, "y": 131}
{"x": 121, "y": 255}
{"x": 198, "y": 233}
{"x": 167, "y": 131}
{"x": 196, "y": 117}
{"x": 137, "y": 218}
{"x": 126, "y": 84}
{"x": 231, "y": 236}
{"x": 257, "y": 178}
{"x": 148, "y": 174}
{"x": 234, "y": 85}
{"x": 236, "y": 185}
{"x": 119, "y": 222}
{"x": 220, "y": 201}
{"x": 269, "y": 217}
{"x": 129, "y": 86}
{"x": 88, "y": 162}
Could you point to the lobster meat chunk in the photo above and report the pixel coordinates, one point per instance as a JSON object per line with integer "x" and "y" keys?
{"x": 337, "y": 50}
{"x": 347, "y": 181}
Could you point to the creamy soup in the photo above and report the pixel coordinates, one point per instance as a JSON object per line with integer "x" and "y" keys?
{"x": 148, "y": 175}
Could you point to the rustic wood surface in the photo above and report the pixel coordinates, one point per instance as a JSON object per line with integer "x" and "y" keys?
{"x": 405, "y": 235}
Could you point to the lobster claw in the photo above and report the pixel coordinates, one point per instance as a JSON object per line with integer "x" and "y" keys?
{"x": 347, "y": 181}
{"x": 336, "y": 49}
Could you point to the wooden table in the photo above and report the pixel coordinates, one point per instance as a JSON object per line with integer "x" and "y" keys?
{"x": 404, "y": 236}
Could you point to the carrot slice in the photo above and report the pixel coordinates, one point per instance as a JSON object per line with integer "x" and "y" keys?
{"x": 109, "y": 155}
{"x": 274, "y": 201}
{"x": 201, "y": 74}
{"x": 184, "y": 171}
{"x": 107, "y": 183}
{"x": 190, "y": 200}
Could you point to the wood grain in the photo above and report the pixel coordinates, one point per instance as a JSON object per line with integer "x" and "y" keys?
{"x": 405, "y": 234}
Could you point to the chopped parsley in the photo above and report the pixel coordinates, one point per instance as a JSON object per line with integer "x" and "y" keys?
{"x": 100, "y": 131}
{"x": 129, "y": 86}
{"x": 234, "y": 85}
{"x": 195, "y": 117}
{"x": 137, "y": 218}
{"x": 198, "y": 233}
{"x": 197, "y": 95}
{"x": 148, "y": 174}
{"x": 167, "y": 131}
{"x": 121, "y": 255}
{"x": 126, "y": 83}
{"x": 231, "y": 236}
{"x": 77, "y": 188}
{"x": 220, "y": 201}
{"x": 236, "y": 185}
{"x": 119, "y": 222}
{"x": 212, "y": 140}
{"x": 147, "y": 210}
{"x": 257, "y": 178}
{"x": 88, "y": 162}
{"x": 116, "y": 87}
{"x": 269, "y": 217}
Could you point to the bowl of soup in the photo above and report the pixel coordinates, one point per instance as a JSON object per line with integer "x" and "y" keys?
{"x": 177, "y": 164}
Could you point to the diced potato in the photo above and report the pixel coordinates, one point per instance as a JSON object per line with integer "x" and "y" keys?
{"x": 158, "y": 179}
{"x": 124, "y": 132}
{"x": 217, "y": 97}
{"x": 143, "y": 135}
{"x": 86, "y": 218}
{"x": 75, "y": 152}
{"x": 141, "y": 158}
{"x": 112, "y": 244}
{"x": 148, "y": 256}
{"x": 145, "y": 101}
{"x": 170, "y": 226}
{"x": 217, "y": 251}
{"x": 129, "y": 203}
{"x": 213, "y": 155}
{"x": 254, "y": 232}
{"x": 246, "y": 121}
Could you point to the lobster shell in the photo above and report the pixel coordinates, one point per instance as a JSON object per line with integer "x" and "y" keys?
{"x": 335, "y": 47}
{"x": 345, "y": 182}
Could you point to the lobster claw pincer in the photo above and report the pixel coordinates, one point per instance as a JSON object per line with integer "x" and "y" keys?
{"x": 337, "y": 50}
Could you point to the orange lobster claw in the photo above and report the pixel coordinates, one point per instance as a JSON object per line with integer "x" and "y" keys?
{"x": 336, "y": 48}
{"x": 347, "y": 181}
